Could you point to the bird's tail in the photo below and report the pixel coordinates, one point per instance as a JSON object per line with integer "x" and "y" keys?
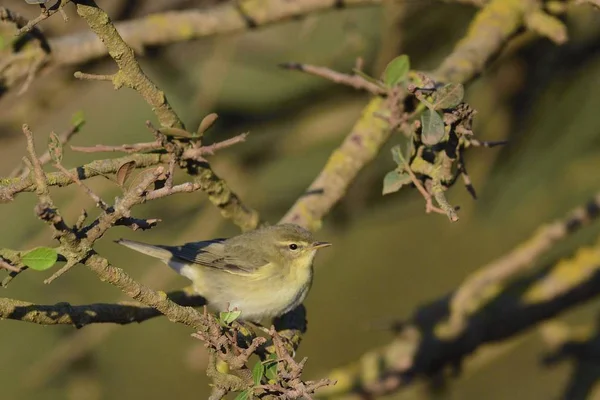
{"x": 148, "y": 249}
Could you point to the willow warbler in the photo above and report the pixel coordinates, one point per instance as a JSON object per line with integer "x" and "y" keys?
{"x": 263, "y": 273}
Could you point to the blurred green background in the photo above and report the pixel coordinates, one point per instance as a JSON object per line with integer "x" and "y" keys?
{"x": 389, "y": 256}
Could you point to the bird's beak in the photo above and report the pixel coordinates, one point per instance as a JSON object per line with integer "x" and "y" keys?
{"x": 318, "y": 245}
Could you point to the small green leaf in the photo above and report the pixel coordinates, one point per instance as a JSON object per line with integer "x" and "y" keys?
{"x": 432, "y": 127}
{"x": 258, "y": 371}
{"x": 397, "y": 155}
{"x": 40, "y": 258}
{"x": 245, "y": 395}
{"x": 78, "y": 120}
{"x": 228, "y": 317}
{"x": 55, "y": 148}
{"x": 271, "y": 370}
{"x": 448, "y": 96}
{"x": 396, "y": 71}
{"x": 394, "y": 180}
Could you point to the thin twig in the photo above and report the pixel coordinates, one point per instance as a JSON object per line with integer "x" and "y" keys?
{"x": 99, "y": 202}
{"x": 20, "y": 22}
{"x": 45, "y": 158}
{"x": 45, "y": 14}
{"x": 131, "y": 75}
{"x": 192, "y": 153}
{"x": 93, "y": 77}
{"x": 197, "y": 153}
{"x": 356, "y": 81}
{"x": 7, "y": 266}
{"x": 124, "y": 148}
{"x": 70, "y": 264}
{"x": 429, "y": 207}
{"x": 187, "y": 187}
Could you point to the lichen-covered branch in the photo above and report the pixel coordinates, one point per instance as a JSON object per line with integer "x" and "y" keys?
{"x": 473, "y": 293}
{"x": 492, "y": 27}
{"x": 9, "y": 187}
{"x": 130, "y": 73}
{"x": 423, "y": 345}
{"x": 163, "y": 29}
{"x": 76, "y": 248}
{"x": 358, "y": 149}
{"x": 82, "y": 315}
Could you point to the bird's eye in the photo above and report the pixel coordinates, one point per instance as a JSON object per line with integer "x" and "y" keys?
{"x": 293, "y": 246}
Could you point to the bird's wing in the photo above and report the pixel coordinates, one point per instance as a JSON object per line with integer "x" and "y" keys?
{"x": 217, "y": 253}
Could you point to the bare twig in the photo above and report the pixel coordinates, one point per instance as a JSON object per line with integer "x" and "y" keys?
{"x": 70, "y": 264}
{"x": 40, "y": 178}
{"x": 94, "y": 77}
{"x": 124, "y": 148}
{"x": 192, "y": 153}
{"x": 7, "y": 266}
{"x": 64, "y": 138}
{"x": 356, "y": 81}
{"x": 131, "y": 75}
{"x": 198, "y": 153}
{"x": 99, "y": 202}
{"x": 20, "y": 22}
{"x": 429, "y": 207}
{"x": 187, "y": 187}
{"x": 45, "y": 14}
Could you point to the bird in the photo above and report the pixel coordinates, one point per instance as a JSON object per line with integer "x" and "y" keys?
{"x": 263, "y": 273}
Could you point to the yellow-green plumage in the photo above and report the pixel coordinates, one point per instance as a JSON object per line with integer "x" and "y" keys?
{"x": 263, "y": 273}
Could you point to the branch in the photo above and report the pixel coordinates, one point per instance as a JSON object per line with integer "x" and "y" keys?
{"x": 9, "y": 187}
{"x": 355, "y": 80}
{"x": 488, "y": 32}
{"x": 79, "y": 316}
{"x": 124, "y": 148}
{"x": 420, "y": 350}
{"x": 45, "y": 14}
{"x": 172, "y": 27}
{"x": 182, "y": 26}
{"x": 359, "y": 148}
{"x": 64, "y": 137}
{"x": 493, "y": 26}
{"x": 79, "y": 249}
{"x": 131, "y": 75}
{"x": 189, "y": 154}
{"x": 473, "y": 293}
